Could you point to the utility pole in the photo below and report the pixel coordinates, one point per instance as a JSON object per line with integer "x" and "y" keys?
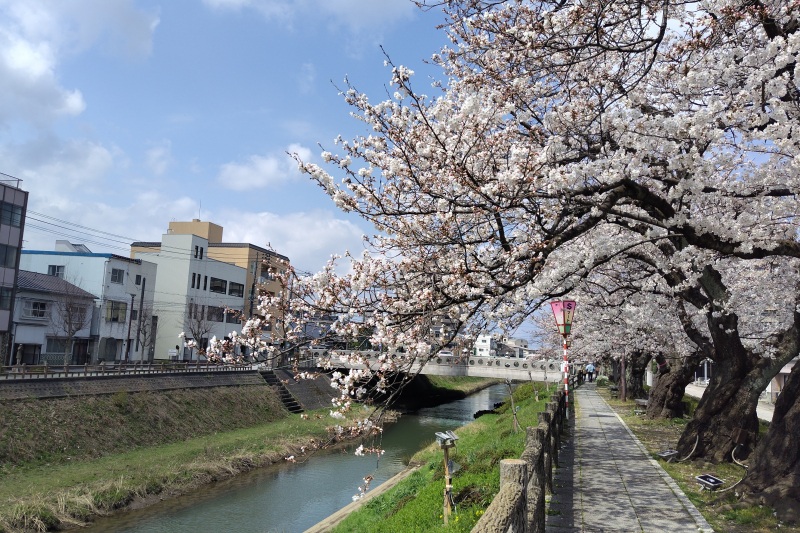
{"x": 253, "y": 285}
{"x": 128, "y": 338}
{"x": 139, "y": 321}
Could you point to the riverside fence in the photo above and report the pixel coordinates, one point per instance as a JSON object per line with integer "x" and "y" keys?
{"x": 17, "y": 372}
{"x": 519, "y": 507}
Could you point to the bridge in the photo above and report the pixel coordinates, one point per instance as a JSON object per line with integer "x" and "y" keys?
{"x": 483, "y": 366}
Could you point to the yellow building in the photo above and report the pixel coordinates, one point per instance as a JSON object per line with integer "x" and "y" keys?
{"x": 261, "y": 264}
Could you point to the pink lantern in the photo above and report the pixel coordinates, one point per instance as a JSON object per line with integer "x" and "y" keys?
{"x": 563, "y": 312}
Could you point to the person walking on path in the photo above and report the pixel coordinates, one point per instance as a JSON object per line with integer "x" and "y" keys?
{"x": 607, "y": 482}
{"x": 590, "y": 372}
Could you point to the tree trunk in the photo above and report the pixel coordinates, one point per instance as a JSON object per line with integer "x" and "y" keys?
{"x": 637, "y": 367}
{"x": 67, "y": 352}
{"x": 666, "y": 396}
{"x": 774, "y": 475}
{"x": 727, "y": 411}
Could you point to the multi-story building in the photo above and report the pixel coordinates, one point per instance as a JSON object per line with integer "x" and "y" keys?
{"x": 125, "y": 319}
{"x": 196, "y": 249}
{"x": 13, "y": 208}
{"x": 196, "y": 295}
{"x": 52, "y": 321}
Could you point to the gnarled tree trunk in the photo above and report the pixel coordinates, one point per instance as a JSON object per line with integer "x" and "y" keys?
{"x": 727, "y": 411}
{"x": 774, "y": 475}
{"x": 637, "y": 365}
{"x": 666, "y": 396}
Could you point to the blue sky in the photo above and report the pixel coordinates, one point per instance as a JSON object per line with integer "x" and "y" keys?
{"x": 122, "y": 115}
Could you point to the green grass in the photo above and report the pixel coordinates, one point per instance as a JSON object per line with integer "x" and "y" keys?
{"x": 416, "y": 504}
{"x": 39, "y": 497}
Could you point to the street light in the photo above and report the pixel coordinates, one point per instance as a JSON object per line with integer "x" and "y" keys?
{"x": 564, "y": 311}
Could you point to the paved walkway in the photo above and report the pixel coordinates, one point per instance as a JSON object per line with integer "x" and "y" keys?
{"x": 609, "y": 483}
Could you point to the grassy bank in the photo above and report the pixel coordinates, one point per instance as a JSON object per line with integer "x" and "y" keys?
{"x": 65, "y": 461}
{"x": 415, "y": 504}
{"x": 42, "y": 431}
{"x": 49, "y": 496}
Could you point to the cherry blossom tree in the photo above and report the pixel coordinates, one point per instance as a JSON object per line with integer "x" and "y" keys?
{"x": 563, "y": 137}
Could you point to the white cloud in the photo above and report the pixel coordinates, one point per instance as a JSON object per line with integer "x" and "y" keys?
{"x": 358, "y": 16}
{"x": 36, "y": 34}
{"x": 50, "y": 167}
{"x": 307, "y": 239}
{"x": 259, "y": 171}
{"x": 159, "y": 157}
{"x": 270, "y": 9}
{"x": 306, "y": 77}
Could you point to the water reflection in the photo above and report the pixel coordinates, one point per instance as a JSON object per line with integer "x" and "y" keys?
{"x": 291, "y": 497}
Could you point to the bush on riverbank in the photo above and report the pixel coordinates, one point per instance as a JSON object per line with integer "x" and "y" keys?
{"x": 415, "y": 504}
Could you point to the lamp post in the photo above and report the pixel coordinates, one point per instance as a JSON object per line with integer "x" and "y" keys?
{"x": 563, "y": 311}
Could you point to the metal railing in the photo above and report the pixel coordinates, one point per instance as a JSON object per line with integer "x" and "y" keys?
{"x": 116, "y": 368}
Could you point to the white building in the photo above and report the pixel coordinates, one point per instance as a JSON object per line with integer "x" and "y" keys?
{"x": 124, "y": 319}
{"x": 51, "y": 317}
{"x": 195, "y": 294}
{"x": 486, "y": 345}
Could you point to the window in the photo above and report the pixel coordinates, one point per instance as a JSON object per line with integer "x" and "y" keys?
{"x": 193, "y": 278}
{"x": 11, "y": 214}
{"x": 216, "y": 314}
{"x": 116, "y": 311}
{"x": 34, "y": 309}
{"x": 196, "y": 251}
{"x": 233, "y": 317}
{"x": 117, "y": 275}
{"x": 205, "y": 283}
{"x": 8, "y": 256}
{"x": 235, "y": 289}
{"x": 218, "y": 285}
{"x": 56, "y": 270}
{"x": 138, "y": 279}
{"x": 134, "y": 314}
{"x": 56, "y": 345}
{"x": 201, "y": 252}
{"x": 5, "y": 298}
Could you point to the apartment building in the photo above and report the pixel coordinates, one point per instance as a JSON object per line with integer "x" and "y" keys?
{"x": 196, "y": 294}
{"x": 125, "y": 319}
{"x": 13, "y": 209}
{"x": 201, "y": 241}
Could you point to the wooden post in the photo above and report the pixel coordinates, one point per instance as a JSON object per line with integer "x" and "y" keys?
{"x": 448, "y": 485}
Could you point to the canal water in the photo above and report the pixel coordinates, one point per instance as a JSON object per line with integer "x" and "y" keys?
{"x": 291, "y": 497}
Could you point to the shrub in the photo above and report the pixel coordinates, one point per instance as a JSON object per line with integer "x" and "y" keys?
{"x": 602, "y": 381}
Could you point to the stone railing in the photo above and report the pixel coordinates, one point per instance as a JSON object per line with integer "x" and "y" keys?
{"x": 519, "y": 507}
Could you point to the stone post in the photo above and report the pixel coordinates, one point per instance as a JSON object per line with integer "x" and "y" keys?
{"x": 547, "y": 453}
{"x": 534, "y": 458}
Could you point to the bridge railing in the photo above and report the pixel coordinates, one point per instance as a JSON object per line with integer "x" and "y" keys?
{"x": 115, "y": 368}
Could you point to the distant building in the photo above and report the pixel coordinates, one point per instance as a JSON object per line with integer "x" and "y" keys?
{"x": 126, "y": 319}
{"x": 13, "y": 209}
{"x": 486, "y": 345}
{"x": 52, "y": 317}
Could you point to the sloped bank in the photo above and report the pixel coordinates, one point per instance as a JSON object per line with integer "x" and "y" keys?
{"x": 91, "y": 455}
